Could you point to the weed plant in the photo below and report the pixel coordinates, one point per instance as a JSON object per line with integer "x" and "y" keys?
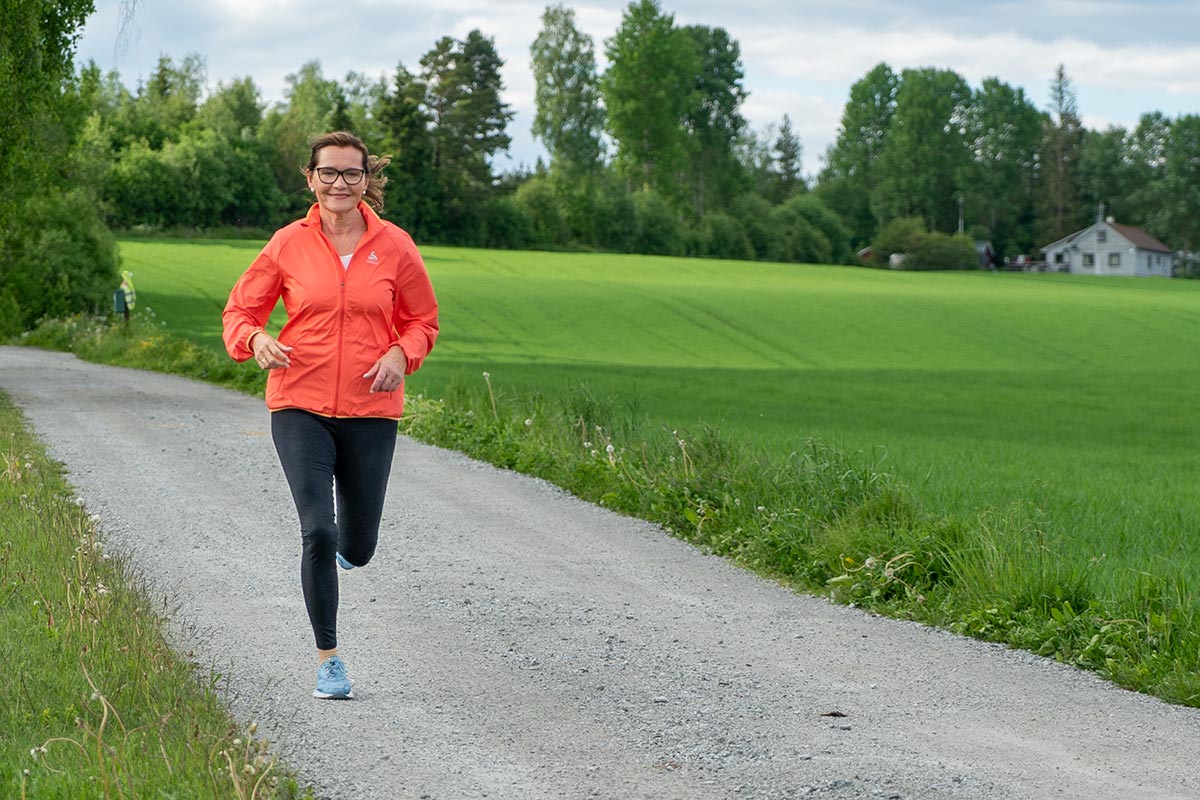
{"x": 816, "y": 518}
{"x": 94, "y": 704}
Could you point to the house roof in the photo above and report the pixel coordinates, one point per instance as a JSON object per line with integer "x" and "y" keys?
{"x": 1136, "y": 236}
{"x": 1139, "y": 238}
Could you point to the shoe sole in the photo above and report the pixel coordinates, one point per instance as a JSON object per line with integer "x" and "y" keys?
{"x": 323, "y": 696}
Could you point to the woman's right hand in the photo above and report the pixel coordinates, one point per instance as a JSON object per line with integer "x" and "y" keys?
{"x": 268, "y": 352}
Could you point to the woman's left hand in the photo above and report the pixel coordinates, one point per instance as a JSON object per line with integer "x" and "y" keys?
{"x": 388, "y": 371}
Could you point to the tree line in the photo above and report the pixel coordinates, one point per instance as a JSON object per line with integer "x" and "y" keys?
{"x": 652, "y": 155}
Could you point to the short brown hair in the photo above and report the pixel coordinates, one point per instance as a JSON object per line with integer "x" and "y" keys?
{"x": 373, "y": 165}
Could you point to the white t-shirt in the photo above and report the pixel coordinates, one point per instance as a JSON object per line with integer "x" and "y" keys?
{"x": 346, "y": 261}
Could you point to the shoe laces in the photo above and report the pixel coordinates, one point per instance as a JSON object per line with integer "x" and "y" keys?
{"x": 335, "y": 669}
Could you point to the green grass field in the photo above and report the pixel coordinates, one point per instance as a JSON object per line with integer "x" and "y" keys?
{"x": 1076, "y": 394}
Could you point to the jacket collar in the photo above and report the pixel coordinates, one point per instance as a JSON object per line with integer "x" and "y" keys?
{"x": 374, "y": 223}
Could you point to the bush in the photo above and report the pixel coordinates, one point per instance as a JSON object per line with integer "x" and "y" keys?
{"x": 922, "y": 249}
{"x": 722, "y": 236}
{"x": 507, "y": 224}
{"x": 753, "y": 212}
{"x": 901, "y": 235}
{"x": 659, "y": 231}
{"x": 539, "y": 202}
{"x": 59, "y": 259}
{"x": 943, "y": 251}
{"x": 828, "y": 223}
{"x": 797, "y": 239}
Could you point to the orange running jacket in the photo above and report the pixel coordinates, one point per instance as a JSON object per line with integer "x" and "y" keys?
{"x": 340, "y": 320}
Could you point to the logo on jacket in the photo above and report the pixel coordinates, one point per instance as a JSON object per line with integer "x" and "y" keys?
{"x": 374, "y": 259}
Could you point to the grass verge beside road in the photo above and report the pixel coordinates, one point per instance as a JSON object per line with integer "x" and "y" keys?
{"x": 94, "y": 703}
{"x": 815, "y": 518}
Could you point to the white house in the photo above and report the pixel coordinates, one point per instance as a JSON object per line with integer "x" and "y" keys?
{"x": 1109, "y": 248}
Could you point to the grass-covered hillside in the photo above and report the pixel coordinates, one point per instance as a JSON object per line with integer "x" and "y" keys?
{"x": 1070, "y": 394}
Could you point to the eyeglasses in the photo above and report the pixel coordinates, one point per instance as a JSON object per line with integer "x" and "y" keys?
{"x": 330, "y": 175}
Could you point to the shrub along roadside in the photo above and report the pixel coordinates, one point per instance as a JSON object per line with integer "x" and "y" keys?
{"x": 818, "y": 520}
{"x": 96, "y": 704}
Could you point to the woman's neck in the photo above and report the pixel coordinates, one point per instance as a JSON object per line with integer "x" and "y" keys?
{"x": 347, "y": 224}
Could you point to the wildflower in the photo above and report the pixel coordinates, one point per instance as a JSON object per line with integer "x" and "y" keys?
{"x": 487, "y": 374}
{"x": 528, "y": 422}
{"x": 609, "y": 449}
{"x": 248, "y": 769}
{"x": 587, "y": 445}
{"x": 237, "y": 742}
{"x": 253, "y": 727}
{"x": 760, "y": 509}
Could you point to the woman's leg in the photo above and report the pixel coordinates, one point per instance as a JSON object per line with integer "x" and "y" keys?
{"x": 308, "y": 453}
{"x": 365, "y": 447}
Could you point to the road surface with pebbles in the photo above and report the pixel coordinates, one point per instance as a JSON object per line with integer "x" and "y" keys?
{"x": 511, "y": 641}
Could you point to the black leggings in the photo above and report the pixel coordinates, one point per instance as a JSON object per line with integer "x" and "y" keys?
{"x": 321, "y": 454}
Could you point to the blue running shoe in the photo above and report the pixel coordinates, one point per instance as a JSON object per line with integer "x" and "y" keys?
{"x": 343, "y": 563}
{"x": 332, "y": 681}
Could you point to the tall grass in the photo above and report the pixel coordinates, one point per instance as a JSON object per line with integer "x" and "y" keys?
{"x": 93, "y": 703}
{"x": 837, "y": 524}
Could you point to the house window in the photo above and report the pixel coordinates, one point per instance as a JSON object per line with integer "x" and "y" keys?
{"x": 1058, "y": 258}
{"x": 1114, "y": 259}
{"x": 1089, "y": 259}
{"x": 1102, "y": 235}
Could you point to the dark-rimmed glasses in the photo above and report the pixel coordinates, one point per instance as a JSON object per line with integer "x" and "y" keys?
{"x": 330, "y": 175}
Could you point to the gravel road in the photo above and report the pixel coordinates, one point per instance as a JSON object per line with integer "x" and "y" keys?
{"x": 510, "y": 641}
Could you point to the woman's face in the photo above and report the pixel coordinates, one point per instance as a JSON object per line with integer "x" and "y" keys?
{"x": 340, "y": 196}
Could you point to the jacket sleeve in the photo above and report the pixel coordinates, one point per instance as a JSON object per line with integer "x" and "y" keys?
{"x": 250, "y": 303}
{"x": 415, "y": 318}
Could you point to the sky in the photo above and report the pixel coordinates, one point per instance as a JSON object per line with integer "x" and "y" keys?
{"x": 800, "y": 57}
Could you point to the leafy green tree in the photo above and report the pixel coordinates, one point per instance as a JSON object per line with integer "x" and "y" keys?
{"x": 1107, "y": 174}
{"x": 1146, "y": 160}
{"x": 787, "y": 152}
{"x": 233, "y": 111}
{"x": 169, "y": 99}
{"x": 1003, "y": 135}
{"x": 920, "y": 169}
{"x": 413, "y": 195}
{"x": 570, "y": 117}
{"x": 851, "y": 163}
{"x": 363, "y": 97}
{"x": 307, "y": 110}
{"x": 56, "y": 256}
{"x": 648, "y": 91}
{"x": 1178, "y": 219}
{"x": 714, "y": 121}
{"x": 1060, "y": 211}
{"x": 461, "y": 86}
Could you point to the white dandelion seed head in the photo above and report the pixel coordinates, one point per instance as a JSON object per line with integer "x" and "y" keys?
{"x": 609, "y": 449}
